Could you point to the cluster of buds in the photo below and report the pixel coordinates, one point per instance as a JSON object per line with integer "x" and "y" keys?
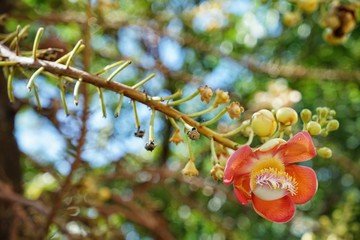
{"x": 291, "y": 19}
{"x": 339, "y": 23}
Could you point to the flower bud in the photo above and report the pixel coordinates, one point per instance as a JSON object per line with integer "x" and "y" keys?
{"x": 287, "y": 116}
{"x": 305, "y": 115}
{"x": 263, "y": 123}
{"x": 104, "y": 193}
{"x": 150, "y": 146}
{"x": 206, "y": 94}
{"x": 234, "y": 110}
{"x": 221, "y": 97}
{"x": 332, "y": 125}
{"x": 308, "y": 6}
{"x": 313, "y": 128}
{"x": 193, "y": 134}
{"x": 324, "y": 152}
{"x": 217, "y": 172}
{"x": 176, "y": 137}
{"x": 290, "y": 19}
{"x": 190, "y": 169}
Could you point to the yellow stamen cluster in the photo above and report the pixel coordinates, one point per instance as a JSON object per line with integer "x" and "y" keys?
{"x": 275, "y": 179}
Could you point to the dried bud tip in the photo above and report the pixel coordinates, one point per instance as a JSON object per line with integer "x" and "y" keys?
{"x": 150, "y": 146}
{"x": 193, "y": 134}
{"x": 139, "y": 133}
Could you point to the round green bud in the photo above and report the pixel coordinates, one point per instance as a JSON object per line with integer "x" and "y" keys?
{"x": 324, "y": 152}
{"x": 313, "y": 128}
{"x": 263, "y": 123}
{"x": 305, "y": 115}
{"x": 332, "y": 113}
{"x": 332, "y": 125}
{"x": 287, "y": 116}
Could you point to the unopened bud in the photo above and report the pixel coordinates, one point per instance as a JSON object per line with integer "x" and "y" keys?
{"x": 287, "y": 116}
{"x": 290, "y": 19}
{"x": 206, "y": 94}
{"x": 221, "y": 97}
{"x": 313, "y": 128}
{"x": 176, "y": 137}
{"x": 308, "y": 6}
{"x": 193, "y": 134}
{"x": 217, "y": 172}
{"x": 104, "y": 193}
{"x": 263, "y": 123}
{"x": 234, "y": 110}
{"x": 332, "y": 125}
{"x": 190, "y": 169}
{"x": 324, "y": 152}
{"x": 305, "y": 115}
{"x": 150, "y": 146}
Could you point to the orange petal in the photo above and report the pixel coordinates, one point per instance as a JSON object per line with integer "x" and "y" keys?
{"x": 307, "y": 182}
{"x": 280, "y": 211}
{"x": 239, "y": 163}
{"x": 242, "y": 189}
{"x": 298, "y": 149}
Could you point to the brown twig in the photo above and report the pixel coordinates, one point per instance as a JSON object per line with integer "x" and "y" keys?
{"x": 97, "y": 81}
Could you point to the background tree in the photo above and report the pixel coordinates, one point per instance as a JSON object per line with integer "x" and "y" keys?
{"x": 86, "y": 176}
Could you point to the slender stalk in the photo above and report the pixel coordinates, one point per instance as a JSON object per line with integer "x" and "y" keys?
{"x": 191, "y": 153}
{"x": 37, "y": 98}
{"x": 251, "y": 137}
{"x": 6, "y": 63}
{"x": 174, "y": 103}
{"x": 151, "y": 127}
{"x": 32, "y": 78}
{"x": 10, "y": 89}
{"x": 102, "y": 103}
{"x": 237, "y": 130}
{"x": 76, "y": 91}
{"x": 209, "y": 109}
{"x": 73, "y": 52}
{"x": 108, "y": 67}
{"x": 19, "y": 36}
{"x": 124, "y": 65}
{"x": 63, "y": 96}
{"x": 142, "y": 82}
{"x": 118, "y": 107}
{"x": 174, "y": 95}
{"x": 213, "y": 151}
{"x": 173, "y": 123}
{"x": 39, "y": 33}
{"x": 137, "y": 122}
{"x": 215, "y": 119}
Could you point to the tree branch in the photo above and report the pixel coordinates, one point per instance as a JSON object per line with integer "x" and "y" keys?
{"x": 60, "y": 69}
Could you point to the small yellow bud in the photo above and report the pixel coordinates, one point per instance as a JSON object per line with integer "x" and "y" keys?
{"x": 305, "y": 115}
{"x": 176, "y": 137}
{"x": 234, "y": 110}
{"x": 104, "y": 193}
{"x": 324, "y": 152}
{"x": 308, "y": 6}
{"x": 190, "y": 169}
{"x": 217, "y": 172}
{"x": 313, "y": 128}
{"x": 221, "y": 97}
{"x": 206, "y": 94}
{"x": 290, "y": 19}
{"x": 332, "y": 125}
{"x": 287, "y": 116}
{"x": 263, "y": 123}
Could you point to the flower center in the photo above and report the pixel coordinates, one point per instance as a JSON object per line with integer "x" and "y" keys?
{"x": 269, "y": 181}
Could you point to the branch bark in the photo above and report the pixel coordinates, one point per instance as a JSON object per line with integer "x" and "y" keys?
{"x": 60, "y": 69}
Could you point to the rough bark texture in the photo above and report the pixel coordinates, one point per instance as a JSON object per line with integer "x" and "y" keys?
{"x": 10, "y": 171}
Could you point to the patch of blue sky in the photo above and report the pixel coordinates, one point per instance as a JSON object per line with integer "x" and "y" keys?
{"x": 171, "y": 54}
{"x": 238, "y": 7}
{"x": 224, "y": 74}
{"x": 37, "y": 137}
{"x": 129, "y": 42}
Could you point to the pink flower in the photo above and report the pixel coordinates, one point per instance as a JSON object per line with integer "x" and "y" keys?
{"x": 268, "y": 177}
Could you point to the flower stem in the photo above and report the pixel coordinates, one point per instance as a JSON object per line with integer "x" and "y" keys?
{"x": 102, "y": 103}
{"x": 174, "y": 103}
{"x": 174, "y": 95}
{"x": 191, "y": 153}
{"x": 151, "y": 127}
{"x": 118, "y": 107}
{"x": 121, "y": 67}
{"x": 137, "y": 122}
{"x": 10, "y": 89}
{"x": 76, "y": 91}
{"x": 142, "y": 82}
{"x": 73, "y": 52}
{"x": 173, "y": 123}
{"x": 63, "y": 96}
{"x": 37, "y": 41}
{"x": 108, "y": 67}
{"x": 213, "y": 152}
{"x": 215, "y": 119}
{"x": 236, "y": 130}
{"x": 209, "y": 109}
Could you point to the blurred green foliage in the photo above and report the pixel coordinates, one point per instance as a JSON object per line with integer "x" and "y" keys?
{"x": 209, "y": 44}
